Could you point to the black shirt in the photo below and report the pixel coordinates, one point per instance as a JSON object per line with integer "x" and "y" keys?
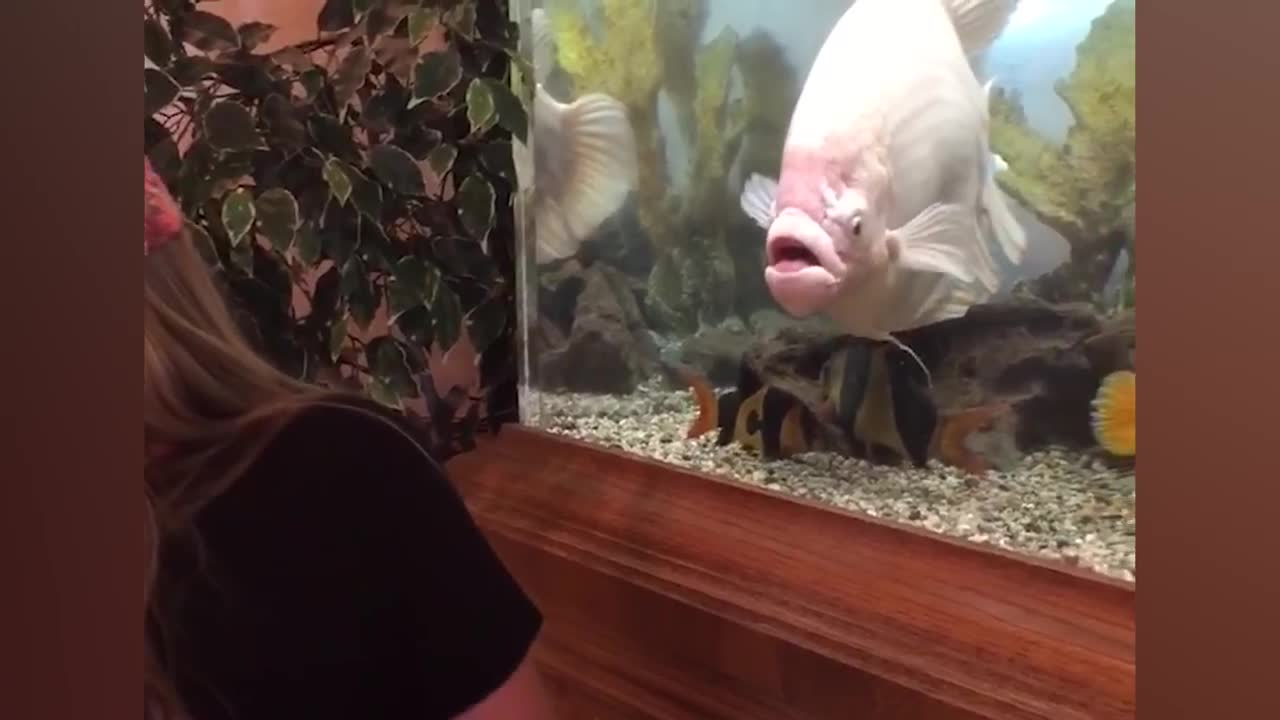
{"x": 341, "y": 577}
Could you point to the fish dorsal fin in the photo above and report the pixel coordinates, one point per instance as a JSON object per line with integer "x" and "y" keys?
{"x": 979, "y": 22}
{"x": 757, "y": 199}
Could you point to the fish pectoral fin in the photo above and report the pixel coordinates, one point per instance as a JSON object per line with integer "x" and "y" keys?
{"x": 599, "y": 170}
{"x": 757, "y": 199}
{"x": 945, "y": 239}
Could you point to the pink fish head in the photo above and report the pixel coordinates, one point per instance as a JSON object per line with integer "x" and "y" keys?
{"x": 817, "y": 244}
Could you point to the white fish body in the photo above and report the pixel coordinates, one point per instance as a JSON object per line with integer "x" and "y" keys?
{"x": 580, "y": 164}
{"x": 886, "y": 205}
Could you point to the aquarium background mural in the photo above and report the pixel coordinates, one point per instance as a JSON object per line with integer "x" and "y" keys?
{"x": 647, "y": 324}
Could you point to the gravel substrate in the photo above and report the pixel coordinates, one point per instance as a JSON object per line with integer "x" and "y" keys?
{"x": 1055, "y": 504}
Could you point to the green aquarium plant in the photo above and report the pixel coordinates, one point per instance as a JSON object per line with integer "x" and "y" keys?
{"x": 1084, "y": 188}
{"x": 354, "y": 192}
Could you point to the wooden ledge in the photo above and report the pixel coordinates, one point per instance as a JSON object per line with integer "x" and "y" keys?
{"x": 641, "y": 564}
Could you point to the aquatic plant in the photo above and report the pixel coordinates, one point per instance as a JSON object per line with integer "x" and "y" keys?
{"x": 1084, "y": 189}
{"x": 678, "y": 28}
{"x": 714, "y": 128}
{"x": 354, "y": 191}
{"x": 719, "y": 262}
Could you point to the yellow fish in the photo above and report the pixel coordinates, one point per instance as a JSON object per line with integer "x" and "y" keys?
{"x": 1115, "y": 413}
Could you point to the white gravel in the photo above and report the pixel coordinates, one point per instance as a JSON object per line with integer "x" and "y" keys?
{"x": 1056, "y": 504}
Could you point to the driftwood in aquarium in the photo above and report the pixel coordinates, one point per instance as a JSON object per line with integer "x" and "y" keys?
{"x": 590, "y": 334}
{"x": 1006, "y": 379}
{"x": 669, "y": 594}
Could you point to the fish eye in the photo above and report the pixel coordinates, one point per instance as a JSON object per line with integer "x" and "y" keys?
{"x": 857, "y": 227}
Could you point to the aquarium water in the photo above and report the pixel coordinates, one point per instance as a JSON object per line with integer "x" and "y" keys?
{"x": 997, "y": 410}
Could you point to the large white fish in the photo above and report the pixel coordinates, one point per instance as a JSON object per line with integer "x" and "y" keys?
{"x": 886, "y": 208}
{"x": 582, "y": 163}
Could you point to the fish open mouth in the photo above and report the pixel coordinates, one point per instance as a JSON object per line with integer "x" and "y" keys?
{"x": 787, "y": 255}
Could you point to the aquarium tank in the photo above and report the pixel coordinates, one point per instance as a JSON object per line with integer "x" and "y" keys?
{"x": 876, "y": 255}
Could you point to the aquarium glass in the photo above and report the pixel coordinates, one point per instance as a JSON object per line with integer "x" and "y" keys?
{"x": 649, "y": 323}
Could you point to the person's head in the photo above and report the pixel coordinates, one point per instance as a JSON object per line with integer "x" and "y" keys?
{"x": 210, "y": 403}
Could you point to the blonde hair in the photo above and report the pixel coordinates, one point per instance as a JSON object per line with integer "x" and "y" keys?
{"x": 210, "y": 406}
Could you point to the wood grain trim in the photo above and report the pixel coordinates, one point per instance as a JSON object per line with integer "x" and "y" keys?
{"x": 993, "y": 633}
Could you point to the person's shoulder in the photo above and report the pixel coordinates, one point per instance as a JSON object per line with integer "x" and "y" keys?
{"x": 335, "y": 427}
{"x": 341, "y": 446}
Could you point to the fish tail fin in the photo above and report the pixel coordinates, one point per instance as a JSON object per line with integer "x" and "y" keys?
{"x": 1115, "y": 412}
{"x": 979, "y": 22}
{"x": 757, "y": 199}
{"x": 598, "y": 168}
{"x": 704, "y": 398}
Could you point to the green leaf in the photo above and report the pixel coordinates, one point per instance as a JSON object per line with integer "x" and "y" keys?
{"x": 480, "y": 110}
{"x": 375, "y": 246}
{"x": 485, "y": 323}
{"x": 335, "y": 15}
{"x": 229, "y": 126}
{"x": 162, "y": 151}
{"x": 416, "y": 325}
{"x": 435, "y": 74}
{"x": 462, "y": 18}
{"x": 496, "y": 157}
{"x": 377, "y": 21}
{"x": 358, "y": 290}
{"x": 242, "y": 257}
{"x": 412, "y": 272}
{"x": 351, "y": 74}
{"x": 284, "y": 127}
{"x": 510, "y": 111}
{"x": 441, "y": 159}
{"x": 340, "y": 185}
{"x": 421, "y": 22}
{"x": 204, "y": 244}
{"x": 277, "y": 212}
{"x": 208, "y": 32}
{"x": 398, "y": 170}
{"x": 333, "y": 136}
{"x": 158, "y": 90}
{"x": 381, "y": 393}
{"x": 390, "y": 366}
{"x": 475, "y": 206}
{"x": 312, "y": 82}
{"x": 340, "y": 245}
{"x": 326, "y": 298}
{"x": 188, "y": 71}
{"x": 366, "y": 194}
{"x": 238, "y": 215}
{"x": 253, "y": 34}
{"x": 337, "y": 337}
{"x": 397, "y": 56}
{"x": 382, "y": 110}
{"x": 446, "y": 315}
{"x": 156, "y": 44}
{"x": 293, "y": 59}
{"x": 308, "y": 244}
{"x": 400, "y": 300}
